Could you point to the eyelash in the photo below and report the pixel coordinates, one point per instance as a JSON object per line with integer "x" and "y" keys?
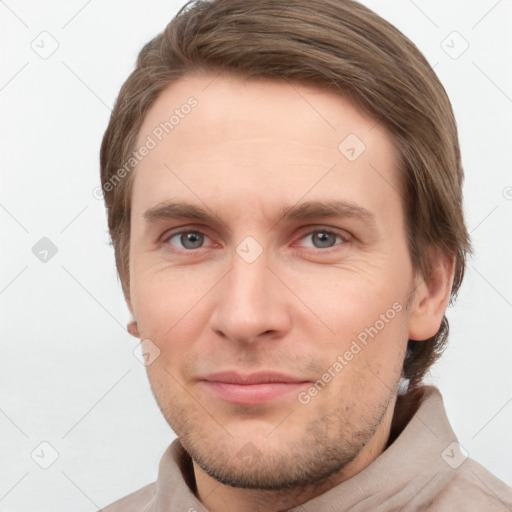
{"x": 344, "y": 236}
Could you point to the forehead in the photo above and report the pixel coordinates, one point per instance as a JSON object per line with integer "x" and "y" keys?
{"x": 219, "y": 138}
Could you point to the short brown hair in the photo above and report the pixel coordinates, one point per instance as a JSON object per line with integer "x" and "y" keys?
{"x": 337, "y": 44}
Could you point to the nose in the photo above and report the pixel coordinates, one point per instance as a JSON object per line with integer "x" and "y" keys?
{"x": 252, "y": 303}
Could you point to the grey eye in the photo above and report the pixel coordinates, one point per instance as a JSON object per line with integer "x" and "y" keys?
{"x": 189, "y": 239}
{"x": 323, "y": 239}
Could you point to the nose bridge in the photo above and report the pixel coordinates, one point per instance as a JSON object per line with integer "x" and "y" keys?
{"x": 248, "y": 304}
{"x": 249, "y": 281}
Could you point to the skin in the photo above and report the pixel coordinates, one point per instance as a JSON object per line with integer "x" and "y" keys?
{"x": 248, "y": 149}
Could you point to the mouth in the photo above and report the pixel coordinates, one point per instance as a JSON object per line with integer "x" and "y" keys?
{"x": 251, "y": 389}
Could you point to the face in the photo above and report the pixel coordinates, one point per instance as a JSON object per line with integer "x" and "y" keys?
{"x": 270, "y": 275}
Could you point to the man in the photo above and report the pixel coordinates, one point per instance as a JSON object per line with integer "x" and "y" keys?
{"x": 283, "y": 185}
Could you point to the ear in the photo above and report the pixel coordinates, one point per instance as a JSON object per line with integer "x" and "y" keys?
{"x": 431, "y": 296}
{"x": 132, "y": 326}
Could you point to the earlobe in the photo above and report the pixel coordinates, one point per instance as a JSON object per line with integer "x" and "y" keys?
{"x": 431, "y": 297}
{"x": 133, "y": 329}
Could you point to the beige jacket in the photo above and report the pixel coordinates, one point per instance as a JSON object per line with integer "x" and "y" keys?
{"x": 422, "y": 469}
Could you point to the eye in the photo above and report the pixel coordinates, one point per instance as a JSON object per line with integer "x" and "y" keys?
{"x": 325, "y": 239}
{"x": 188, "y": 240}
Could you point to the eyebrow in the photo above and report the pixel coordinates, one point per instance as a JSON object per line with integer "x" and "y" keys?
{"x": 301, "y": 211}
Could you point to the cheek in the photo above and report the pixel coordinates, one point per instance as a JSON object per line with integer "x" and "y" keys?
{"x": 351, "y": 296}
{"x": 364, "y": 309}
{"x": 169, "y": 305}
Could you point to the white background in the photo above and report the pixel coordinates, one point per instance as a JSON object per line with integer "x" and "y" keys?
{"x": 67, "y": 369}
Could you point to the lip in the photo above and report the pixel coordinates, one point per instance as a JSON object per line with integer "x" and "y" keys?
{"x": 251, "y": 389}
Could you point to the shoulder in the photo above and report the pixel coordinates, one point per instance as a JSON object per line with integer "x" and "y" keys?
{"x": 471, "y": 488}
{"x": 138, "y": 501}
